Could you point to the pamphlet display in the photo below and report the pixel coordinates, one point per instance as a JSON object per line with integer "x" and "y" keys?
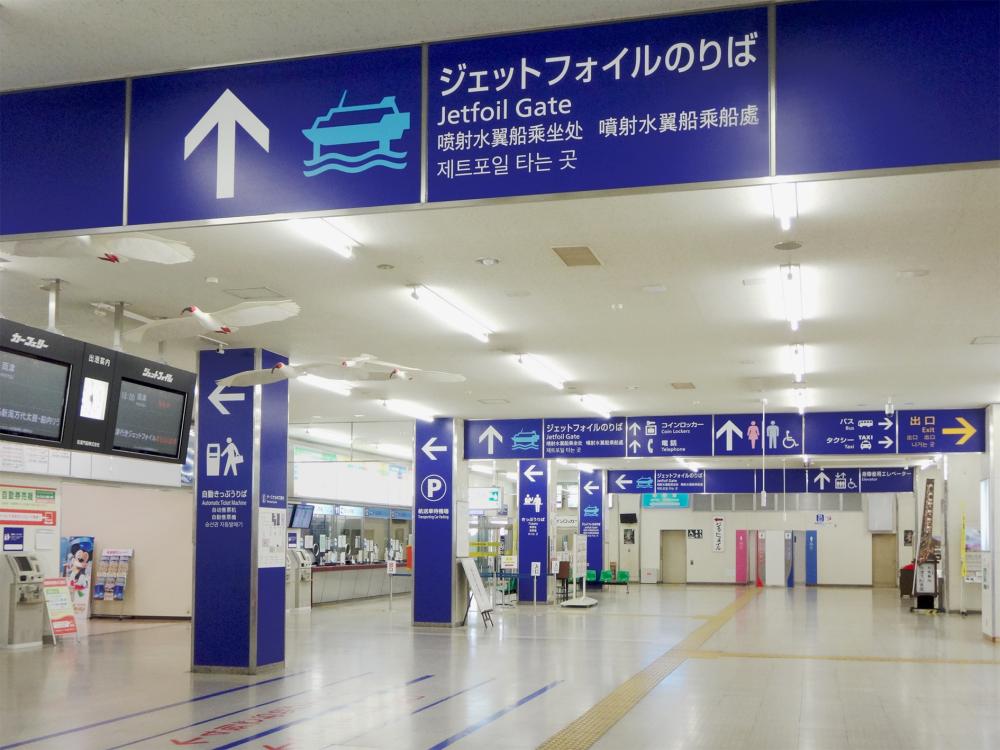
{"x": 112, "y": 574}
{"x": 59, "y": 605}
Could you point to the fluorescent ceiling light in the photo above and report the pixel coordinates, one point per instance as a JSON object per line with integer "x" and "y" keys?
{"x": 480, "y": 469}
{"x": 340, "y": 387}
{"x": 322, "y": 232}
{"x": 797, "y": 361}
{"x": 597, "y": 405}
{"x": 791, "y": 293}
{"x": 540, "y": 370}
{"x": 784, "y": 203}
{"x": 449, "y": 314}
{"x": 409, "y": 409}
{"x": 588, "y": 468}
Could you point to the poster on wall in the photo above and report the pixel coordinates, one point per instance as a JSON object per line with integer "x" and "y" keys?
{"x": 271, "y": 538}
{"x": 718, "y": 534}
{"x": 13, "y": 539}
{"x": 28, "y": 506}
{"x": 59, "y": 604}
{"x": 77, "y": 556}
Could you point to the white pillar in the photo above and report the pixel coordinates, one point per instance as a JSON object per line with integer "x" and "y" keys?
{"x": 991, "y": 522}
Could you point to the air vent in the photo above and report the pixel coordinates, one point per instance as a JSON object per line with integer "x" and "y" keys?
{"x": 576, "y": 256}
{"x": 257, "y": 293}
{"x": 986, "y": 340}
{"x": 682, "y": 386}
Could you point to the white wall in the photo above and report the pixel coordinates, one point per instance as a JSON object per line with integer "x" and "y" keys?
{"x": 844, "y": 548}
{"x": 964, "y": 475}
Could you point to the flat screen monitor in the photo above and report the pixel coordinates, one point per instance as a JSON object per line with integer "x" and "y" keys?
{"x": 149, "y": 420}
{"x": 23, "y": 563}
{"x": 303, "y": 516}
{"x": 628, "y": 518}
{"x": 32, "y": 396}
{"x": 291, "y": 516}
{"x": 94, "y": 399}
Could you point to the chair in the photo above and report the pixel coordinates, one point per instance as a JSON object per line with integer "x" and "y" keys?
{"x": 623, "y": 579}
{"x": 591, "y": 576}
{"x": 607, "y": 577}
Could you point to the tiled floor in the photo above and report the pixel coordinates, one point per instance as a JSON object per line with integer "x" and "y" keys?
{"x": 819, "y": 668}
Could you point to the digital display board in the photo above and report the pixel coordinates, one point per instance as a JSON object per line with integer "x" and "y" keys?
{"x": 302, "y": 516}
{"x": 32, "y": 396}
{"x": 149, "y": 419}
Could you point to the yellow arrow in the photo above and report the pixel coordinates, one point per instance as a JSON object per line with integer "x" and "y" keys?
{"x": 966, "y": 430}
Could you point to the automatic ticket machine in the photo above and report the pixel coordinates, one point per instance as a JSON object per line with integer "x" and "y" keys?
{"x": 298, "y": 578}
{"x": 22, "y": 603}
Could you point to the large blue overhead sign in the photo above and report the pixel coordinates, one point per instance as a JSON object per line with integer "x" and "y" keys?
{"x": 300, "y": 135}
{"x": 62, "y": 156}
{"x": 774, "y": 434}
{"x": 657, "y": 102}
{"x": 848, "y": 432}
{"x": 942, "y": 431}
{"x": 503, "y": 438}
{"x": 585, "y": 438}
{"x": 924, "y": 89}
{"x": 669, "y": 436}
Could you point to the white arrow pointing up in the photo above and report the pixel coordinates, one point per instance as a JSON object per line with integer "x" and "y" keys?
{"x": 489, "y": 435}
{"x": 822, "y": 479}
{"x": 227, "y": 112}
{"x": 532, "y": 473}
{"x": 589, "y": 487}
{"x": 634, "y": 428}
{"x": 218, "y": 397}
{"x": 634, "y": 446}
{"x": 622, "y": 482}
{"x": 431, "y": 447}
{"x": 728, "y": 429}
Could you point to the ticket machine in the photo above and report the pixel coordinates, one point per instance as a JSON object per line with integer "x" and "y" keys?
{"x": 22, "y": 602}
{"x": 291, "y": 576}
{"x": 303, "y": 578}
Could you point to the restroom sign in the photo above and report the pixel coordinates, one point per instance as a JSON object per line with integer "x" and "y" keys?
{"x": 718, "y": 534}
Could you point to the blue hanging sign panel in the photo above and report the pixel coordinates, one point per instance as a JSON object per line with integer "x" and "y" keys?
{"x": 63, "y": 153}
{"x": 654, "y": 102}
{"x": 849, "y": 432}
{"x": 334, "y": 132}
{"x": 669, "y": 436}
{"x": 224, "y": 508}
{"x": 775, "y": 434}
{"x": 503, "y": 438}
{"x": 533, "y": 529}
{"x": 942, "y": 431}
{"x": 781, "y": 480}
{"x": 585, "y": 437}
{"x": 592, "y": 516}
{"x": 924, "y": 89}
{"x": 730, "y": 480}
{"x": 679, "y": 480}
{"x": 433, "y": 528}
{"x": 834, "y": 480}
{"x": 887, "y": 480}
{"x": 632, "y": 480}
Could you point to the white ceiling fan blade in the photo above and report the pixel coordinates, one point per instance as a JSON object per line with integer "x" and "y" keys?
{"x": 55, "y": 247}
{"x": 145, "y": 247}
{"x": 256, "y": 313}
{"x": 249, "y": 378}
{"x": 167, "y": 329}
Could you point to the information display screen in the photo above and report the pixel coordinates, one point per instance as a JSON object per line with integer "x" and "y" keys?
{"x": 32, "y": 396}
{"x": 302, "y": 517}
{"x": 149, "y": 419}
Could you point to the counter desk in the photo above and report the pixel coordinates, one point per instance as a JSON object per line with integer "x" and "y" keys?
{"x": 338, "y": 583}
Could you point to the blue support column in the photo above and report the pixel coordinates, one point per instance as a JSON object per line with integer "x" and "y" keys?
{"x": 240, "y": 528}
{"x": 434, "y": 523}
{"x": 592, "y": 517}
{"x": 533, "y": 529}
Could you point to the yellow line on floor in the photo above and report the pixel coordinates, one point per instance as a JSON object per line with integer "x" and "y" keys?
{"x": 835, "y": 657}
{"x": 584, "y": 731}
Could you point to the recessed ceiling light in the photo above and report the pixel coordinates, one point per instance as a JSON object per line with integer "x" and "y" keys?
{"x": 385, "y": 266}
{"x": 211, "y": 279}
{"x": 617, "y": 306}
{"x": 912, "y": 273}
{"x": 493, "y": 401}
{"x": 358, "y": 416}
{"x": 789, "y": 245}
{"x": 654, "y": 289}
{"x": 488, "y": 261}
{"x": 632, "y": 388}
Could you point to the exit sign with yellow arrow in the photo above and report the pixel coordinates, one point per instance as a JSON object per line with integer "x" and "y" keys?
{"x": 942, "y": 431}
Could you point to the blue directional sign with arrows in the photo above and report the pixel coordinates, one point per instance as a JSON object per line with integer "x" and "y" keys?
{"x": 942, "y": 431}
{"x": 503, "y": 438}
{"x": 849, "y": 432}
{"x": 334, "y": 132}
{"x": 669, "y": 436}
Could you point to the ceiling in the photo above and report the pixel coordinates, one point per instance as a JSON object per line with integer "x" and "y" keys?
{"x": 48, "y": 42}
{"x": 875, "y": 327}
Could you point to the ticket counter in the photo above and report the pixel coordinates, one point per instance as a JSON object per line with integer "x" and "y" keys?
{"x": 337, "y": 583}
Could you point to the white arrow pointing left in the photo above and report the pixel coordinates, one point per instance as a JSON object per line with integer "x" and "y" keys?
{"x": 532, "y": 473}
{"x": 431, "y": 447}
{"x": 589, "y": 487}
{"x": 227, "y": 112}
{"x": 622, "y": 482}
{"x": 218, "y": 397}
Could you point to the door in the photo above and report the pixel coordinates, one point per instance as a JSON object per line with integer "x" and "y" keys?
{"x": 628, "y": 550}
{"x": 673, "y": 556}
{"x": 799, "y": 564}
{"x": 884, "y": 560}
